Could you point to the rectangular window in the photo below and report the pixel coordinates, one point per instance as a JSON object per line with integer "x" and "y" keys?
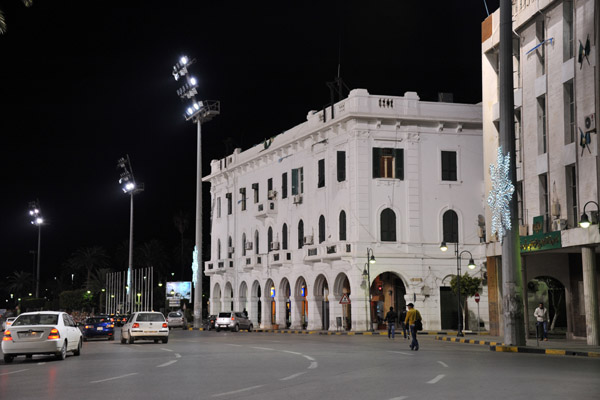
{"x": 270, "y": 184}
{"x": 388, "y": 163}
{"x": 321, "y": 177}
{"x": 297, "y": 181}
{"x": 255, "y": 188}
{"x": 540, "y": 33}
{"x": 541, "y": 121}
{"x": 567, "y": 30}
{"x": 518, "y": 136}
{"x": 519, "y": 190}
{"x": 243, "y": 198}
{"x": 544, "y": 200}
{"x": 569, "y": 101}
{"x": 572, "y": 206}
{"x": 218, "y": 207}
{"x": 284, "y": 185}
{"x": 448, "y": 165}
{"x": 229, "y": 203}
{"x": 341, "y": 166}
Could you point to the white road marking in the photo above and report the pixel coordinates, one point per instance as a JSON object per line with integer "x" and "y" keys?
{"x": 308, "y": 357}
{"x": 41, "y": 363}
{"x": 313, "y": 365}
{"x": 292, "y": 352}
{"x": 400, "y": 398}
{"x": 162, "y": 348}
{"x": 229, "y": 344}
{"x": 166, "y": 364}
{"x": 402, "y": 352}
{"x": 437, "y": 379}
{"x": 177, "y": 355}
{"x": 116, "y": 377}
{"x": 14, "y": 372}
{"x": 237, "y": 391}
{"x": 287, "y": 378}
{"x": 443, "y": 363}
{"x": 262, "y": 348}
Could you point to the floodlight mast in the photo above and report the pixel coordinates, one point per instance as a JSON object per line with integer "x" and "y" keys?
{"x": 199, "y": 112}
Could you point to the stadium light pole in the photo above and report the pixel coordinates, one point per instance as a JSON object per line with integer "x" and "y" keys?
{"x": 36, "y": 219}
{"x": 198, "y": 112}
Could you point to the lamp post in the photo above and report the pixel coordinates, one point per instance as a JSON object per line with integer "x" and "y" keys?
{"x": 444, "y": 247}
{"x": 36, "y": 219}
{"x": 198, "y": 112}
{"x": 584, "y": 222}
{"x": 129, "y": 187}
{"x": 367, "y": 273}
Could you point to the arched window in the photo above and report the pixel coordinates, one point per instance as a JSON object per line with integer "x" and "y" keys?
{"x": 218, "y": 249}
{"x": 450, "y": 224}
{"x": 300, "y": 234}
{"x": 342, "y": 225}
{"x": 270, "y": 239}
{"x": 388, "y": 225}
{"x": 284, "y": 237}
{"x": 321, "y": 229}
{"x": 229, "y": 247}
{"x": 243, "y": 244}
{"x": 256, "y": 241}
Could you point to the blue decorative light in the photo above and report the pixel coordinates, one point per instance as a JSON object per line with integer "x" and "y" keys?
{"x": 195, "y": 266}
{"x": 500, "y": 195}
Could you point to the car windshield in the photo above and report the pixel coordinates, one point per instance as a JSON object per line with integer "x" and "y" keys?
{"x": 96, "y": 320}
{"x": 36, "y": 319}
{"x": 150, "y": 317}
{"x": 224, "y": 315}
{"x": 174, "y": 315}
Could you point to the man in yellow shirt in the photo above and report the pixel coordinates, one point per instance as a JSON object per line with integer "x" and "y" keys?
{"x": 411, "y": 317}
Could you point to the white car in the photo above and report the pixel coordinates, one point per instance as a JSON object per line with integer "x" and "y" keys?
{"x": 42, "y": 332}
{"x": 8, "y": 322}
{"x": 145, "y": 325}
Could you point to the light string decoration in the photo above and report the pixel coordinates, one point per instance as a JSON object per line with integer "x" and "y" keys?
{"x": 500, "y": 195}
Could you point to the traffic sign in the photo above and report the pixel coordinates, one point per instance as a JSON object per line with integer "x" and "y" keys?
{"x": 476, "y": 297}
{"x": 345, "y": 299}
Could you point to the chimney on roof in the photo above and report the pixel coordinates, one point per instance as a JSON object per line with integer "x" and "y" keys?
{"x": 445, "y": 97}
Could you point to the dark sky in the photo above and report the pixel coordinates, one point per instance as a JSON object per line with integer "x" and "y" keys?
{"x": 83, "y": 83}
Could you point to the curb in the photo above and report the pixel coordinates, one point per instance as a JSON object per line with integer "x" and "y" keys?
{"x": 468, "y": 341}
{"x": 534, "y": 350}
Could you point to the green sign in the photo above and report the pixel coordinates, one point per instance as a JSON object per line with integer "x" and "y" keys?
{"x": 538, "y": 224}
{"x": 540, "y": 241}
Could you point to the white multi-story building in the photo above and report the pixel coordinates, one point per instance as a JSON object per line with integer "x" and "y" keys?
{"x": 294, "y": 218}
{"x": 556, "y": 89}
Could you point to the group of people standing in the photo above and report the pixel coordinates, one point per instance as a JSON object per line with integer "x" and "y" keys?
{"x": 409, "y": 319}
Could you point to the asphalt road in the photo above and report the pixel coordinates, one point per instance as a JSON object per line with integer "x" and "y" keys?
{"x": 224, "y": 365}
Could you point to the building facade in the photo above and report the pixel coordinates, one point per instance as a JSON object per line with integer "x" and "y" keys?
{"x": 555, "y": 64}
{"x": 295, "y": 218}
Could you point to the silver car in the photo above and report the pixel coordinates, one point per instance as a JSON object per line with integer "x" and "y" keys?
{"x": 43, "y": 332}
{"x": 233, "y": 321}
{"x": 145, "y": 325}
{"x": 176, "y": 319}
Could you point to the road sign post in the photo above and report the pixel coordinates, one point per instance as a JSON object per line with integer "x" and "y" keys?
{"x": 478, "y": 320}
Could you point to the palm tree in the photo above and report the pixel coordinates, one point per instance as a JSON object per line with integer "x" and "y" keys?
{"x": 27, "y": 3}
{"x": 97, "y": 283}
{"x": 182, "y": 221}
{"x": 153, "y": 254}
{"x": 90, "y": 259}
{"x": 19, "y": 283}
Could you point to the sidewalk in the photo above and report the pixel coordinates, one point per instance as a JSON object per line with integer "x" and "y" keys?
{"x": 551, "y": 347}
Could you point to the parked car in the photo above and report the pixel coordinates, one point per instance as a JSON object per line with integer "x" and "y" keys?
{"x": 233, "y": 321}
{"x": 42, "y": 332}
{"x": 145, "y": 325}
{"x": 99, "y": 326}
{"x": 176, "y": 319}
{"x": 7, "y": 322}
{"x": 209, "y": 323}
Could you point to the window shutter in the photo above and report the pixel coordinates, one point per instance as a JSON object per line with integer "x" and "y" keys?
{"x": 294, "y": 181}
{"x": 399, "y": 157}
{"x": 376, "y": 160}
{"x": 341, "y": 166}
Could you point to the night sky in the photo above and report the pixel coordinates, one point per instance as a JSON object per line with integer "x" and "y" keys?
{"x": 84, "y": 83}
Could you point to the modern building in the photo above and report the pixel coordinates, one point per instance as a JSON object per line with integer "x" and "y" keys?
{"x": 555, "y": 64}
{"x": 295, "y": 219}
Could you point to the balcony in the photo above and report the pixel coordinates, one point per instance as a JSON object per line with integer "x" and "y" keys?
{"x": 209, "y": 268}
{"x": 253, "y": 262}
{"x": 267, "y": 208}
{"x": 279, "y": 258}
{"x": 312, "y": 253}
{"x": 327, "y": 251}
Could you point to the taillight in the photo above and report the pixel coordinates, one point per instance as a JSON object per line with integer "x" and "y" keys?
{"x": 232, "y": 318}
{"x": 135, "y": 325}
{"x": 54, "y": 334}
{"x": 7, "y": 337}
{"x": 111, "y": 326}
{"x": 87, "y": 327}
{"x": 165, "y": 325}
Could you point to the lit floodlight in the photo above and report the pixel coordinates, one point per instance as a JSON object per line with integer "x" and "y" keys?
{"x": 183, "y": 60}
{"x": 197, "y": 106}
{"x": 193, "y": 81}
{"x": 30, "y": 212}
{"x": 39, "y": 220}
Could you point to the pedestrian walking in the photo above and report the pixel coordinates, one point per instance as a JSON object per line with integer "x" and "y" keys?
{"x": 541, "y": 316}
{"x": 412, "y": 316}
{"x": 403, "y": 324}
{"x": 390, "y": 318}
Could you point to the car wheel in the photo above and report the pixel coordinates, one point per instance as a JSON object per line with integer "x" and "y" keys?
{"x": 111, "y": 337}
{"x": 250, "y": 328}
{"x": 78, "y": 351}
{"x": 165, "y": 340}
{"x": 155, "y": 340}
{"x": 62, "y": 354}
{"x": 131, "y": 339}
{"x": 123, "y": 341}
{"x": 29, "y": 356}
{"x": 236, "y": 328}
{"x": 218, "y": 329}
{"x": 8, "y": 358}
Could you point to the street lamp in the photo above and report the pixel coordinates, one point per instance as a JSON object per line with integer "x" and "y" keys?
{"x": 36, "y": 219}
{"x": 198, "y": 112}
{"x": 129, "y": 186}
{"x": 584, "y": 222}
{"x": 471, "y": 265}
{"x": 367, "y": 273}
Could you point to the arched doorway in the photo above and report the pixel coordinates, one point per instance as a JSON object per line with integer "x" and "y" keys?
{"x": 387, "y": 290}
{"x": 228, "y": 298}
{"x": 341, "y": 287}
{"x": 270, "y": 303}
{"x": 216, "y": 299}
{"x": 243, "y": 297}
{"x": 301, "y": 304}
{"x": 255, "y": 303}
{"x": 321, "y": 293}
{"x": 285, "y": 307}
{"x": 550, "y": 292}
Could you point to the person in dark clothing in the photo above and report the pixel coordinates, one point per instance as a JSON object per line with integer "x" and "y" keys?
{"x": 390, "y": 318}
{"x": 405, "y": 328}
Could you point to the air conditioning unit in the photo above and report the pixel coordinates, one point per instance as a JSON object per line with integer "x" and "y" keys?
{"x": 589, "y": 122}
{"x": 230, "y": 249}
{"x": 308, "y": 239}
{"x": 274, "y": 245}
{"x": 298, "y": 199}
{"x": 523, "y": 230}
{"x": 272, "y": 194}
{"x": 555, "y": 209}
{"x": 248, "y": 246}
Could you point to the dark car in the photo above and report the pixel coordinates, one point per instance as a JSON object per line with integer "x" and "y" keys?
{"x": 98, "y": 327}
{"x": 119, "y": 319}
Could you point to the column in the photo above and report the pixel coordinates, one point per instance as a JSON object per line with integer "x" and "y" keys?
{"x": 253, "y": 311}
{"x": 314, "y": 314}
{"x": 359, "y": 306}
{"x": 297, "y": 312}
{"x": 590, "y": 294}
{"x": 280, "y": 311}
{"x": 335, "y": 310}
{"x": 265, "y": 322}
